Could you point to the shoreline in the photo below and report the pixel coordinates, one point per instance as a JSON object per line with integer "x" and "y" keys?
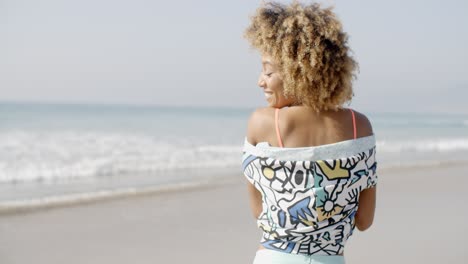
{"x": 80, "y": 198}
{"x": 418, "y": 220}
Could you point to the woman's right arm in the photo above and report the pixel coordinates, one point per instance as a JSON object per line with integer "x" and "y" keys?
{"x": 258, "y": 125}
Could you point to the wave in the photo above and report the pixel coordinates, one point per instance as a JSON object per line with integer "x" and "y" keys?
{"x": 47, "y": 157}
{"x": 423, "y": 145}
{"x": 69, "y": 155}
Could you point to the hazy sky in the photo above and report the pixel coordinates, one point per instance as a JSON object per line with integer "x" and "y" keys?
{"x": 412, "y": 54}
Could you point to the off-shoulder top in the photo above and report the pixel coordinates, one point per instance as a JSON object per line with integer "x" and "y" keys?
{"x": 310, "y": 195}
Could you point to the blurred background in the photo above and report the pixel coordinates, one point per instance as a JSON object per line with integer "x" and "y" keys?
{"x": 100, "y": 90}
{"x": 127, "y": 95}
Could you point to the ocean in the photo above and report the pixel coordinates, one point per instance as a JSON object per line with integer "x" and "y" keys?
{"x": 54, "y": 150}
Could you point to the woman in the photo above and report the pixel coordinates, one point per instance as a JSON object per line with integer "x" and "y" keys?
{"x": 310, "y": 161}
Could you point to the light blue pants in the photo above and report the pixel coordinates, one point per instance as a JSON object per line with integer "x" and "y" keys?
{"x": 269, "y": 256}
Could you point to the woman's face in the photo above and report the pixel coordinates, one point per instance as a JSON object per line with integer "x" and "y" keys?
{"x": 271, "y": 83}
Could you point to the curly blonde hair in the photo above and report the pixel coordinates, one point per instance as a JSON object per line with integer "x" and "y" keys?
{"x": 308, "y": 43}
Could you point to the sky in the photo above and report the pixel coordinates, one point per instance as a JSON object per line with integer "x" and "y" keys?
{"x": 412, "y": 54}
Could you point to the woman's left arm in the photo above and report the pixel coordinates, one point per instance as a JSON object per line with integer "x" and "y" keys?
{"x": 255, "y": 200}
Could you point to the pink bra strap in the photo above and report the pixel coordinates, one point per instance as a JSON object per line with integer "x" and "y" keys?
{"x": 354, "y": 124}
{"x": 278, "y": 136}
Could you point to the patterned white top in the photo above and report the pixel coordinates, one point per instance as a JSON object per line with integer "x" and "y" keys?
{"x": 310, "y": 195}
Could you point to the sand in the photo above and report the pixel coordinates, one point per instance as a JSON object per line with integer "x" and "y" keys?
{"x": 421, "y": 218}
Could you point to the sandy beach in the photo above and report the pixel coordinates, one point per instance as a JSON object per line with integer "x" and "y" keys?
{"x": 420, "y": 219}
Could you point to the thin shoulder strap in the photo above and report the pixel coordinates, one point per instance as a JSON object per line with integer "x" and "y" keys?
{"x": 278, "y": 136}
{"x": 354, "y": 123}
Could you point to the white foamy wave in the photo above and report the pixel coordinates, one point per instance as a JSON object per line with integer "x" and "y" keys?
{"x": 66, "y": 155}
{"x": 423, "y": 145}
{"x": 41, "y": 156}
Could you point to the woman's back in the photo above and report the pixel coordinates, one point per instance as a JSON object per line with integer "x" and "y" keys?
{"x": 300, "y": 126}
{"x": 310, "y": 185}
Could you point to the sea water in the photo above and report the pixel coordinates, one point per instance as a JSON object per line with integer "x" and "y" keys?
{"x": 50, "y": 149}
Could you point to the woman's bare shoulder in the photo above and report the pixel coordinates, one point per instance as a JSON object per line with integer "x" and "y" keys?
{"x": 261, "y": 121}
{"x": 363, "y": 125}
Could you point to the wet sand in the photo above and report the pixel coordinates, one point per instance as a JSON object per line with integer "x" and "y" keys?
{"x": 421, "y": 218}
